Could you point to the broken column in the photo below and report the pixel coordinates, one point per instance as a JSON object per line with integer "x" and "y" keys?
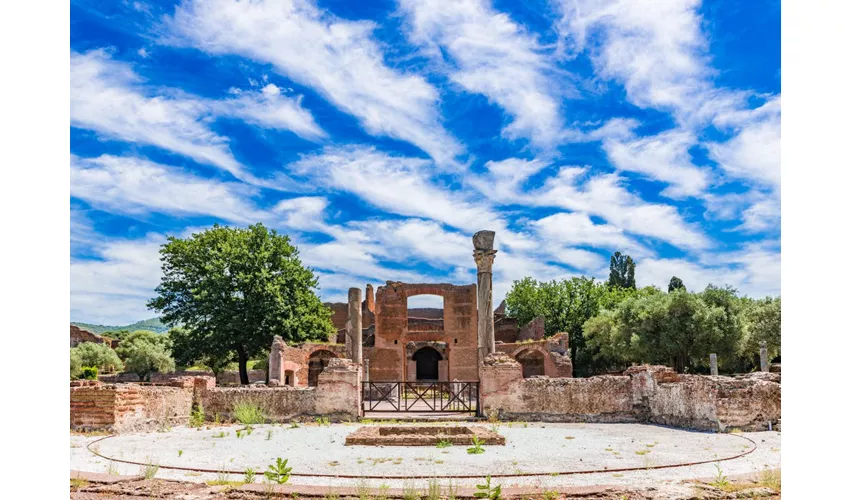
{"x": 712, "y": 358}
{"x": 484, "y": 256}
{"x": 275, "y": 361}
{"x": 763, "y": 355}
{"x": 354, "y": 327}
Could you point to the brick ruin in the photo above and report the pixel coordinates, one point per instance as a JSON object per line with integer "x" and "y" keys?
{"x": 521, "y": 373}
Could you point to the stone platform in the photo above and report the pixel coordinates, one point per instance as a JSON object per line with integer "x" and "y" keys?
{"x": 398, "y": 435}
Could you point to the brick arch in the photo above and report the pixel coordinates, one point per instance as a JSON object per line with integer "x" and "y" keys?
{"x": 317, "y": 360}
{"x": 533, "y": 360}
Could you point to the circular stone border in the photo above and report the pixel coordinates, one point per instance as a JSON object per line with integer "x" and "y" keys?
{"x": 458, "y": 476}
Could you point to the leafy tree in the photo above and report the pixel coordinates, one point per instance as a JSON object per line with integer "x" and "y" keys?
{"x": 675, "y": 284}
{"x": 145, "y": 352}
{"x": 762, "y": 322}
{"x": 76, "y": 365}
{"x": 621, "y": 271}
{"x": 234, "y": 289}
{"x": 99, "y": 355}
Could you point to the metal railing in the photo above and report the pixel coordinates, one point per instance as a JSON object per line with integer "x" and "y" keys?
{"x": 421, "y": 396}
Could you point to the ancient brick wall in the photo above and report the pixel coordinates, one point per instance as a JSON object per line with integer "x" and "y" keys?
{"x": 78, "y": 336}
{"x": 644, "y": 394}
{"x": 389, "y": 357}
{"x": 337, "y": 395}
{"x": 295, "y": 359}
{"x": 230, "y": 377}
{"x": 554, "y": 350}
{"x": 534, "y": 330}
{"x": 505, "y": 329}
{"x": 128, "y": 407}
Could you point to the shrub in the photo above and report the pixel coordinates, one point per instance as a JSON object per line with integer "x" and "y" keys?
{"x": 248, "y": 413}
{"x": 197, "y": 417}
{"x": 100, "y": 355}
{"x": 89, "y": 373}
{"x": 76, "y": 365}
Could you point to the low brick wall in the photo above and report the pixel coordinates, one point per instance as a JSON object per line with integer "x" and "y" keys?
{"x": 224, "y": 378}
{"x": 649, "y": 394}
{"x": 337, "y": 396}
{"x": 128, "y": 407}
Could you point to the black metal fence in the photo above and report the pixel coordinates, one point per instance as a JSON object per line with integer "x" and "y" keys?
{"x": 421, "y": 397}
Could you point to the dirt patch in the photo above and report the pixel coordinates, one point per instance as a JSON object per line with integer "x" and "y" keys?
{"x": 391, "y": 435}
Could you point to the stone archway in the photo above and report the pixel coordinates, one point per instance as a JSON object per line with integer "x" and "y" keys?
{"x": 532, "y": 361}
{"x": 427, "y": 361}
{"x": 316, "y": 364}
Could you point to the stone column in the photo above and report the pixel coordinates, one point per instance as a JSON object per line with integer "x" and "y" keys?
{"x": 366, "y": 370}
{"x": 354, "y": 327}
{"x": 713, "y": 361}
{"x": 275, "y": 360}
{"x": 763, "y": 356}
{"x": 484, "y": 256}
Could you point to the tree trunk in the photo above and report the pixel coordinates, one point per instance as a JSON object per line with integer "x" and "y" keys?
{"x": 243, "y": 366}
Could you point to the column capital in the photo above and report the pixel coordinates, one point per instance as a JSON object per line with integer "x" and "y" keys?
{"x": 484, "y": 260}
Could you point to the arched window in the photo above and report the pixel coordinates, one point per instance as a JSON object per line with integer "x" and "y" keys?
{"x": 425, "y": 313}
{"x": 316, "y": 365}
{"x": 531, "y": 361}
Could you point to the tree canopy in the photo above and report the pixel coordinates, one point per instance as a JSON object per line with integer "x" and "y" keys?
{"x": 145, "y": 352}
{"x": 621, "y": 271}
{"x": 675, "y": 284}
{"x": 100, "y": 355}
{"x": 232, "y": 290}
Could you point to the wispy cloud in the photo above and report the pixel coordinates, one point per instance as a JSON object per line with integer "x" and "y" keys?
{"x": 107, "y": 96}
{"x": 338, "y": 58}
{"x": 490, "y": 54}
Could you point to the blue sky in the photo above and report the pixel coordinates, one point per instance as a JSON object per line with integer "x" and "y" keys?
{"x": 381, "y": 135}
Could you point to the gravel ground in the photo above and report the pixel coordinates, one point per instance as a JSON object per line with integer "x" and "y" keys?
{"x": 541, "y": 448}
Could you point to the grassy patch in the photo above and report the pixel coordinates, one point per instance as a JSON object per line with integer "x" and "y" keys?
{"x": 249, "y": 413}
{"x": 78, "y": 483}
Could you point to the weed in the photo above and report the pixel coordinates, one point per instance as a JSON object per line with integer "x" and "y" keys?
{"x": 525, "y": 425}
{"x": 493, "y": 416}
{"x": 250, "y": 475}
{"x": 197, "y": 417}
{"x": 249, "y": 430}
{"x": 439, "y": 461}
{"x": 476, "y": 448}
{"x": 111, "y": 470}
{"x": 569, "y": 437}
{"x": 720, "y": 480}
{"x": 444, "y": 443}
{"x": 772, "y": 479}
{"x": 434, "y": 491}
{"x": 294, "y": 425}
{"x": 617, "y": 475}
{"x": 279, "y": 472}
{"x": 149, "y": 471}
{"x": 550, "y": 495}
{"x": 78, "y": 483}
{"x": 179, "y": 453}
{"x": 248, "y": 413}
{"x": 363, "y": 489}
{"x": 334, "y": 463}
{"x": 217, "y": 419}
{"x": 408, "y": 492}
{"x": 642, "y": 452}
{"x": 323, "y": 421}
{"x": 383, "y": 491}
{"x": 367, "y": 421}
{"x": 269, "y": 434}
{"x": 238, "y": 434}
{"x": 451, "y": 490}
{"x": 488, "y": 491}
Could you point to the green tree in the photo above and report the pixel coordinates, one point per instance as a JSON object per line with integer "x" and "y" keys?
{"x": 145, "y": 352}
{"x": 76, "y": 365}
{"x": 99, "y": 355}
{"x": 675, "y": 284}
{"x": 234, "y": 289}
{"x": 621, "y": 271}
{"x": 762, "y": 322}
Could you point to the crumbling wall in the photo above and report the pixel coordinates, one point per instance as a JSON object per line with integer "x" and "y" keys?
{"x": 651, "y": 394}
{"x": 79, "y": 335}
{"x": 229, "y": 377}
{"x": 128, "y": 407}
{"x": 337, "y": 396}
{"x": 533, "y": 330}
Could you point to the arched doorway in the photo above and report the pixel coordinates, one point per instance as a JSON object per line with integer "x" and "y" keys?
{"x": 532, "y": 362}
{"x": 316, "y": 365}
{"x": 427, "y": 363}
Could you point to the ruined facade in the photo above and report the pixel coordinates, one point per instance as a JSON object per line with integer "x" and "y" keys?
{"x": 79, "y": 335}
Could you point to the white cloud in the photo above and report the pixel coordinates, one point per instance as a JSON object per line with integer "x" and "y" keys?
{"x": 400, "y": 185}
{"x": 338, "y": 58}
{"x": 753, "y": 153}
{"x": 113, "y": 288}
{"x": 109, "y": 98}
{"x": 492, "y": 55}
{"x": 135, "y": 186}
{"x": 577, "y": 229}
{"x": 664, "y": 157}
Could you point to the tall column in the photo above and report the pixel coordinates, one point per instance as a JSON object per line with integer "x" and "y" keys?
{"x": 275, "y": 360}
{"x": 763, "y": 355}
{"x": 354, "y": 327}
{"x": 484, "y": 256}
{"x": 712, "y": 358}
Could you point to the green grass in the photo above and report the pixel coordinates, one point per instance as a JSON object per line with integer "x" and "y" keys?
{"x": 249, "y": 413}
{"x": 444, "y": 443}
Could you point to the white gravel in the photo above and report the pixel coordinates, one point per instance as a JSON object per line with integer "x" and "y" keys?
{"x": 541, "y": 448}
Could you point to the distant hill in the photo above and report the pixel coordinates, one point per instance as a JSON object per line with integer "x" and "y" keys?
{"x": 153, "y": 324}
